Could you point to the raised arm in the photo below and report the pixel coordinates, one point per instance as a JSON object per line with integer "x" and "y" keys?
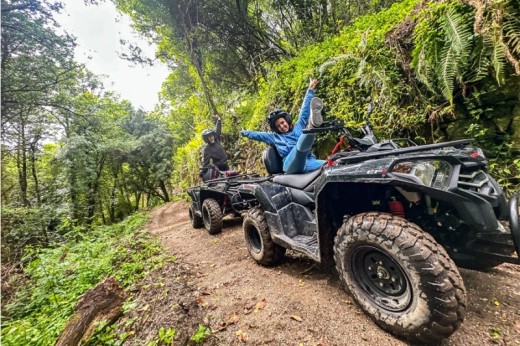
{"x": 258, "y": 136}
{"x": 218, "y": 126}
{"x": 305, "y": 111}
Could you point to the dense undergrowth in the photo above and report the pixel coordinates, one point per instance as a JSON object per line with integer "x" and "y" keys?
{"x": 432, "y": 72}
{"x": 54, "y": 278}
{"x": 435, "y": 71}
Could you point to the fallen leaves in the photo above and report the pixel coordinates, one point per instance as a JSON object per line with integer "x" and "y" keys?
{"x": 260, "y": 305}
{"x": 257, "y": 307}
{"x": 323, "y": 342}
{"x": 233, "y": 319}
{"x": 241, "y": 336}
{"x": 297, "y": 318}
{"x": 516, "y": 326}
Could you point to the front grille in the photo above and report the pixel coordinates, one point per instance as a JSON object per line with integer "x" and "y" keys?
{"x": 476, "y": 181}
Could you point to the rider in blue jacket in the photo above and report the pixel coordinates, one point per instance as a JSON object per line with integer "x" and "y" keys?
{"x": 293, "y": 145}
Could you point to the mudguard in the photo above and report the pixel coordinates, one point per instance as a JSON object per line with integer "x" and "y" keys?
{"x": 475, "y": 210}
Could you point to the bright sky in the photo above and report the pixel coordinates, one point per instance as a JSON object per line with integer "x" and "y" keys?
{"x": 98, "y": 30}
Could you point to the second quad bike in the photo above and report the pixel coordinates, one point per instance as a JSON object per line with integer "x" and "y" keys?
{"x": 218, "y": 197}
{"x": 396, "y": 218}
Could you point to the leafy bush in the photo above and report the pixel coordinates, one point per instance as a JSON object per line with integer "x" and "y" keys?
{"x": 58, "y": 276}
{"x": 23, "y": 226}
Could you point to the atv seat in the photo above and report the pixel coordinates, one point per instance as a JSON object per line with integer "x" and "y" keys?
{"x": 298, "y": 181}
{"x": 274, "y": 165}
{"x": 272, "y": 160}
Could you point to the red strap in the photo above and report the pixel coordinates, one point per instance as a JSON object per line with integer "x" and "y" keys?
{"x": 336, "y": 148}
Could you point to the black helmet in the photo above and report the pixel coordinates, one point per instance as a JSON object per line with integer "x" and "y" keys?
{"x": 206, "y": 133}
{"x": 275, "y": 115}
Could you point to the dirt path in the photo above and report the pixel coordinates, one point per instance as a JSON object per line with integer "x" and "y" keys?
{"x": 297, "y": 302}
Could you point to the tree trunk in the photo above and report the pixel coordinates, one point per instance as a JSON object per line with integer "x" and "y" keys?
{"x": 102, "y": 302}
{"x": 112, "y": 204}
{"x": 21, "y": 162}
{"x": 33, "y": 171}
{"x": 164, "y": 190}
{"x": 93, "y": 191}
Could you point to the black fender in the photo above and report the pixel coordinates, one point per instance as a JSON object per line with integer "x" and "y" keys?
{"x": 514, "y": 222}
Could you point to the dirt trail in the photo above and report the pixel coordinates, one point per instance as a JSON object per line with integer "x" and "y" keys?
{"x": 297, "y": 302}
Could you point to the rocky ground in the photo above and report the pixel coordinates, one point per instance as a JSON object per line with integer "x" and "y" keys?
{"x": 214, "y": 282}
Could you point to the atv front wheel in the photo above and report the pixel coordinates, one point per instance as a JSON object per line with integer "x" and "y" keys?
{"x": 400, "y": 276}
{"x": 212, "y": 216}
{"x": 196, "y": 221}
{"x": 258, "y": 239}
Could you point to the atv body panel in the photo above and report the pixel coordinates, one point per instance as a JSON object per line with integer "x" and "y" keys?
{"x": 396, "y": 222}
{"x": 225, "y": 191}
{"x": 304, "y": 211}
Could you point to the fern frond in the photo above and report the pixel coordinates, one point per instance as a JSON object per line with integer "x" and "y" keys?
{"x": 498, "y": 61}
{"x": 424, "y": 70}
{"x": 454, "y": 55}
{"x": 458, "y": 31}
{"x": 333, "y": 61}
{"x": 511, "y": 31}
{"x": 479, "y": 58}
{"x": 361, "y": 68}
{"x": 448, "y": 69}
{"x": 498, "y": 58}
{"x": 511, "y": 28}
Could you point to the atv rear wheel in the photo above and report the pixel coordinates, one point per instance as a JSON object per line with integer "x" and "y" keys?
{"x": 400, "y": 276}
{"x": 258, "y": 239}
{"x": 212, "y": 216}
{"x": 196, "y": 221}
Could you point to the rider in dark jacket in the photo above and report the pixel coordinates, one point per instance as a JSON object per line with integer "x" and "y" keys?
{"x": 214, "y": 153}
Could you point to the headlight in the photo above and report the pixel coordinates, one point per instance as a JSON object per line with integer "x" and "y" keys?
{"x": 433, "y": 173}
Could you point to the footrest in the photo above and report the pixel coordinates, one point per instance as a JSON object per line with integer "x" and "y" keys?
{"x": 306, "y": 240}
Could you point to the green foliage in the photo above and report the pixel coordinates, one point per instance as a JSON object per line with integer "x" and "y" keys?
{"x": 202, "y": 333}
{"x": 166, "y": 335}
{"x": 443, "y": 43}
{"x": 22, "y": 227}
{"x": 457, "y": 43}
{"x": 369, "y": 61}
{"x": 105, "y": 334}
{"x": 58, "y": 276}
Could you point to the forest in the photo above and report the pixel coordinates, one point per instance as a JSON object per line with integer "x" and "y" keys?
{"x": 80, "y": 166}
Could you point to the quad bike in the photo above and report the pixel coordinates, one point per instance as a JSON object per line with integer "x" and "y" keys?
{"x": 395, "y": 218}
{"x": 218, "y": 197}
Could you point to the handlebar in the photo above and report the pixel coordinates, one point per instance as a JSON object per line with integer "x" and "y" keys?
{"x": 335, "y": 125}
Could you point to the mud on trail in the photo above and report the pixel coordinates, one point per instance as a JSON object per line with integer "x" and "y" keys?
{"x": 216, "y": 283}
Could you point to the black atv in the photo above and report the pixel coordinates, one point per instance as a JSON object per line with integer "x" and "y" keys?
{"x": 396, "y": 218}
{"x": 218, "y": 197}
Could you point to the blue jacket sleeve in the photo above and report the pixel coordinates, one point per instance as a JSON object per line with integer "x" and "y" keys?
{"x": 305, "y": 111}
{"x": 259, "y": 136}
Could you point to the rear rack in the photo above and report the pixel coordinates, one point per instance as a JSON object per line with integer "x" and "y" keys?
{"x": 362, "y": 156}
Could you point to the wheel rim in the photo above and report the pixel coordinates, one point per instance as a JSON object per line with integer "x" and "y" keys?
{"x": 253, "y": 237}
{"x": 381, "y": 278}
{"x": 206, "y": 217}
